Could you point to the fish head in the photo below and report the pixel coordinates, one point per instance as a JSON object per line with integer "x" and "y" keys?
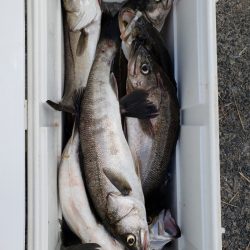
{"x": 163, "y": 229}
{"x": 132, "y": 25}
{"x": 157, "y": 11}
{"x": 127, "y": 216}
{"x": 143, "y": 71}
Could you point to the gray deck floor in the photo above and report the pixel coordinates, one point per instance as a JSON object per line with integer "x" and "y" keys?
{"x": 233, "y": 35}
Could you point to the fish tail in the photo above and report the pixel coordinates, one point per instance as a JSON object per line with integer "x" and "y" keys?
{"x": 60, "y": 107}
{"x": 110, "y": 28}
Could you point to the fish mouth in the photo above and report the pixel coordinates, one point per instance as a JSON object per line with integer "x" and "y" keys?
{"x": 127, "y": 21}
{"x": 170, "y": 226}
{"x": 126, "y": 15}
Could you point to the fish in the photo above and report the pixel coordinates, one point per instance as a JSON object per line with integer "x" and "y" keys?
{"x": 81, "y": 34}
{"x": 134, "y": 26}
{"x": 74, "y": 201}
{"x": 111, "y": 179}
{"x": 152, "y": 141}
{"x": 81, "y": 13}
{"x": 112, "y": 7}
{"x": 163, "y": 229}
{"x": 156, "y": 11}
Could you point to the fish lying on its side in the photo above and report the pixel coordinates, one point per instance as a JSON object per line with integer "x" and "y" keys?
{"x": 74, "y": 201}
{"x": 81, "y": 34}
{"x": 79, "y": 216}
{"x": 152, "y": 141}
{"x": 112, "y": 182}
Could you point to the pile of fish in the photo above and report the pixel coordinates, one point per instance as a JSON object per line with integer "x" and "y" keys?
{"x": 120, "y": 93}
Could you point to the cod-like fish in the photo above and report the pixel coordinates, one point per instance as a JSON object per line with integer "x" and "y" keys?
{"x": 111, "y": 179}
{"x": 152, "y": 141}
{"x": 82, "y": 24}
{"x": 74, "y": 201}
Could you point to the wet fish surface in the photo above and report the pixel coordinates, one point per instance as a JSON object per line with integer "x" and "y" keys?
{"x": 152, "y": 141}
{"x": 74, "y": 201}
{"x": 81, "y": 34}
{"x": 112, "y": 182}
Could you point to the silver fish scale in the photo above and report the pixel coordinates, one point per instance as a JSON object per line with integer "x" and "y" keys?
{"x": 102, "y": 139}
{"x": 153, "y": 153}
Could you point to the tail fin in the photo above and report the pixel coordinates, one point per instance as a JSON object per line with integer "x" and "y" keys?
{"x": 110, "y": 28}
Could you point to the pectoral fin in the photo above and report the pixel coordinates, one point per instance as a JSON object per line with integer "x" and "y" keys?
{"x": 118, "y": 207}
{"x": 82, "y": 43}
{"x": 118, "y": 181}
{"x": 138, "y": 106}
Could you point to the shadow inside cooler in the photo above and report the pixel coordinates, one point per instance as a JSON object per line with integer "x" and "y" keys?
{"x": 191, "y": 199}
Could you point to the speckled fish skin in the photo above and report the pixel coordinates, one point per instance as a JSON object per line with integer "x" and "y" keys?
{"x": 74, "y": 201}
{"x": 105, "y": 150}
{"x": 78, "y": 66}
{"x": 152, "y": 141}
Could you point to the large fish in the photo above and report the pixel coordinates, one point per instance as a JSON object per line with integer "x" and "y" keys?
{"x": 152, "y": 141}
{"x": 74, "y": 201}
{"x": 79, "y": 216}
{"x": 82, "y": 24}
{"x": 112, "y": 182}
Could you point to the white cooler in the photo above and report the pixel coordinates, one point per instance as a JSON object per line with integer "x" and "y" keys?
{"x": 191, "y": 39}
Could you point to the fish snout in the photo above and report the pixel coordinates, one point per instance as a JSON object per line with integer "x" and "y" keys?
{"x": 126, "y": 15}
{"x": 170, "y": 226}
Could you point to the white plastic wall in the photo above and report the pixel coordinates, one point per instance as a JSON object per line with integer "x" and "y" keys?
{"x": 45, "y": 80}
{"x": 191, "y": 38}
{"x": 12, "y": 125}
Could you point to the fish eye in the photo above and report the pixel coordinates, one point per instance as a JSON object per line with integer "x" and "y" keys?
{"x": 145, "y": 69}
{"x": 131, "y": 240}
